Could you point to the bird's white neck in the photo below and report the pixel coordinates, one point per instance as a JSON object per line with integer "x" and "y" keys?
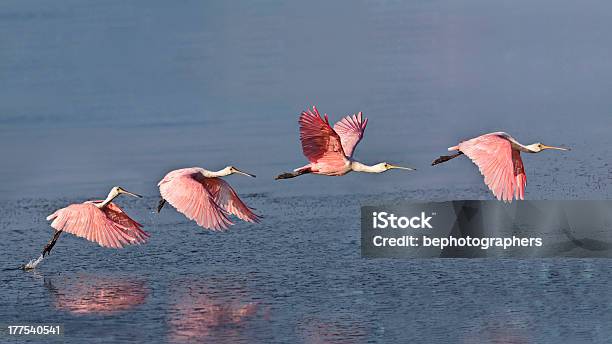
{"x": 111, "y": 196}
{"x": 532, "y": 148}
{"x": 359, "y": 167}
{"x": 221, "y": 173}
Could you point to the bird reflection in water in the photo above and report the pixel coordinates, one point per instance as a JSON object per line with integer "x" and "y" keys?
{"x": 210, "y": 313}
{"x": 103, "y": 295}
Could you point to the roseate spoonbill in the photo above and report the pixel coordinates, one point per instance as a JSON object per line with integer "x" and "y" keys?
{"x": 498, "y": 157}
{"x": 99, "y": 221}
{"x": 204, "y": 197}
{"x": 330, "y": 150}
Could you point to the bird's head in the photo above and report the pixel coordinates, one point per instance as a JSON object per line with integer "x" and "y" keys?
{"x": 538, "y": 147}
{"x": 231, "y": 170}
{"x": 118, "y": 190}
{"x": 385, "y": 166}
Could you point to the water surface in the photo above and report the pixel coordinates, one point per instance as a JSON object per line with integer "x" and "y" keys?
{"x": 116, "y": 93}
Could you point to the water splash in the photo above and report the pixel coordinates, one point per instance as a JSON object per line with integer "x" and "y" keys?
{"x": 32, "y": 264}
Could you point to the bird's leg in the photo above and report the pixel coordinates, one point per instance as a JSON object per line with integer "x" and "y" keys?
{"x": 161, "y": 203}
{"x": 445, "y": 158}
{"x": 51, "y": 243}
{"x": 294, "y": 174}
{"x": 287, "y": 175}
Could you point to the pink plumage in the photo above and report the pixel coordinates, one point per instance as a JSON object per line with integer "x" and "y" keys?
{"x": 351, "y": 129}
{"x": 327, "y": 149}
{"x": 499, "y": 163}
{"x": 227, "y": 199}
{"x": 108, "y": 226}
{"x": 320, "y": 143}
{"x": 207, "y": 200}
{"x": 330, "y": 150}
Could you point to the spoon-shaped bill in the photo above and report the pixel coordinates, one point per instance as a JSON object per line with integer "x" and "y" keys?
{"x": 553, "y": 147}
{"x": 129, "y": 193}
{"x": 401, "y": 168}
{"x": 235, "y": 170}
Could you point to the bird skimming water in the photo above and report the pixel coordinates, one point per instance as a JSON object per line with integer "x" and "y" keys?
{"x": 498, "y": 157}
{"x": 330, "y": 150}
{"x": 204, "y": 197}
{"x": 100, "y": 221}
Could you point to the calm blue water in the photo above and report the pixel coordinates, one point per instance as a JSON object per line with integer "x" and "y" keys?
{"x": 101, "y": 94}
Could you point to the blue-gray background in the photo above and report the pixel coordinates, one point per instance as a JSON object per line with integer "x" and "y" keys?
{"x": 95, "y": 94}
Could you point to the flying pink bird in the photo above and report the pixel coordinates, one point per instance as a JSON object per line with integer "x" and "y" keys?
{"x": 330, "y": 150}
{"x": 204, "y": 197}
{"x": 498, "y": 157}
{"x": 99, "y": 221}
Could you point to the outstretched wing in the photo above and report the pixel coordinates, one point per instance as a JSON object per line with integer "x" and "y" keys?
{"x": 87, "y": 221}
{"x": 351, "y": 129}
{"x": 188, "y": 194}
{"x": 500, "y": 165}
{"x": 226, "y": 198}
{"x": 117, "y": 215}
{"x": 320, "y": 143}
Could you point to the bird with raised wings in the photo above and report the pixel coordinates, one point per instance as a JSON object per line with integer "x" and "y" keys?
{"x": 204, "y": 197}
{"x": 101, "y": 221}
{"x": 498, "y": 157}
{"x": 330, "y": 150}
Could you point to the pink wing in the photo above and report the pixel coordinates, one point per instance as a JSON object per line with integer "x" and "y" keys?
{"x": 500, "y": 165}
{"x": 117, "y": 215}
{"x": 351, "y": 129}
{"x": 88, "y": 221}
{"x": 320, "y": 143}
{"x": 227, "y": 198}
{"x": 187, "y": 193}
{"x": 519, "y": 172}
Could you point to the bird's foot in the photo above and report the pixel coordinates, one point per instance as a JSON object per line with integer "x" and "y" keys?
{"x": 286, "y": 176}
{"x": 46, "y": 251}
{"x": 445, "y": 158}
{"x": 160, "y": 205}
